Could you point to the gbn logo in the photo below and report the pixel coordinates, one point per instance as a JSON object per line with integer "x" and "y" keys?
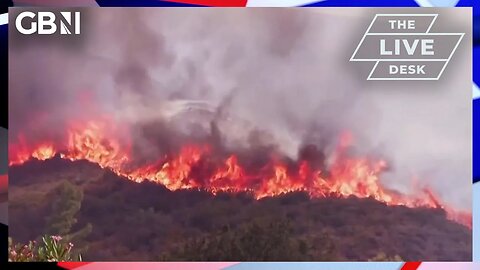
{"x": 47, "y": 23}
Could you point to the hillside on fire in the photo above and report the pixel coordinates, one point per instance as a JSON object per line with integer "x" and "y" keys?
{"x": 254, "y": 142}
{"x": 146, "y": 221}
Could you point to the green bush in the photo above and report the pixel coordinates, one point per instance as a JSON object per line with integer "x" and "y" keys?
{"x": 51, "y": 249}
{"x": 259, "y": 240}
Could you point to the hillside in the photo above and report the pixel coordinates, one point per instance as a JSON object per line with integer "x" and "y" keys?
{"x": 145, "y": 221}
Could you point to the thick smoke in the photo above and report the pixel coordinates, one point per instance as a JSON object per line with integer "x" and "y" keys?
{"x": 264, "y": 76}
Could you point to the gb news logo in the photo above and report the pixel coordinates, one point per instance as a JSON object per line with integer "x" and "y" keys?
{"x": 48, "y": 23}
{"x": 403, "y": 47}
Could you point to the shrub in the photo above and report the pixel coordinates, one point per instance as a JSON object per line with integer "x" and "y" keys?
{"x": 51, "y": 249}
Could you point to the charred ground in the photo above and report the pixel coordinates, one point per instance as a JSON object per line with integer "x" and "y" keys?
{"x": 146, "y": 221}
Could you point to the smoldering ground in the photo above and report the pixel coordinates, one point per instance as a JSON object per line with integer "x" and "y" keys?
{"x": 280, "y": 73}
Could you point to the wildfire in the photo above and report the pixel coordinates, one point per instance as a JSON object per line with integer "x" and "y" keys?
{"x": 175, "y": 173}
{"x": 44, "y": 152}
{"x": 23, "y": 153}
{"x": 90, "y": 142}
{"x": 197, "y": 166}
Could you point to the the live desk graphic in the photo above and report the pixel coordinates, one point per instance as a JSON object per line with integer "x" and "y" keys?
{"x": 403, "y": 48}
{"x": 256, "y": 141}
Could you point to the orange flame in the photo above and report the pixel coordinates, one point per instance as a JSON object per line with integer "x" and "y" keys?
{"x": 90, "y": 142}
{"x": 23, "y": 152}
{"x": 44, "y": 152}
{"x": 195, "y": 166}
{"x": 173, "y": 174}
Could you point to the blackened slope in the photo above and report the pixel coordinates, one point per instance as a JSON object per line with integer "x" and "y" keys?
{"x": 142, "y": 221}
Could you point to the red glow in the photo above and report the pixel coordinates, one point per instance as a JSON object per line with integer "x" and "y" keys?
{"x": 198, "y": 166}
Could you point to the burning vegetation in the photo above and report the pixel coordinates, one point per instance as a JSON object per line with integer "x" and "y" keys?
{"x": 205, "y": 166}
{"x": 219, "y": 136}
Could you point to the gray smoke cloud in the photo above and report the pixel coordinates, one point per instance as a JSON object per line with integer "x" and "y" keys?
{"x": 284, "y": 73}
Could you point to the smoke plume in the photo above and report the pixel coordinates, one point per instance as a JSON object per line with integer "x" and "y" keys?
{"x": 245, "y": 78}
